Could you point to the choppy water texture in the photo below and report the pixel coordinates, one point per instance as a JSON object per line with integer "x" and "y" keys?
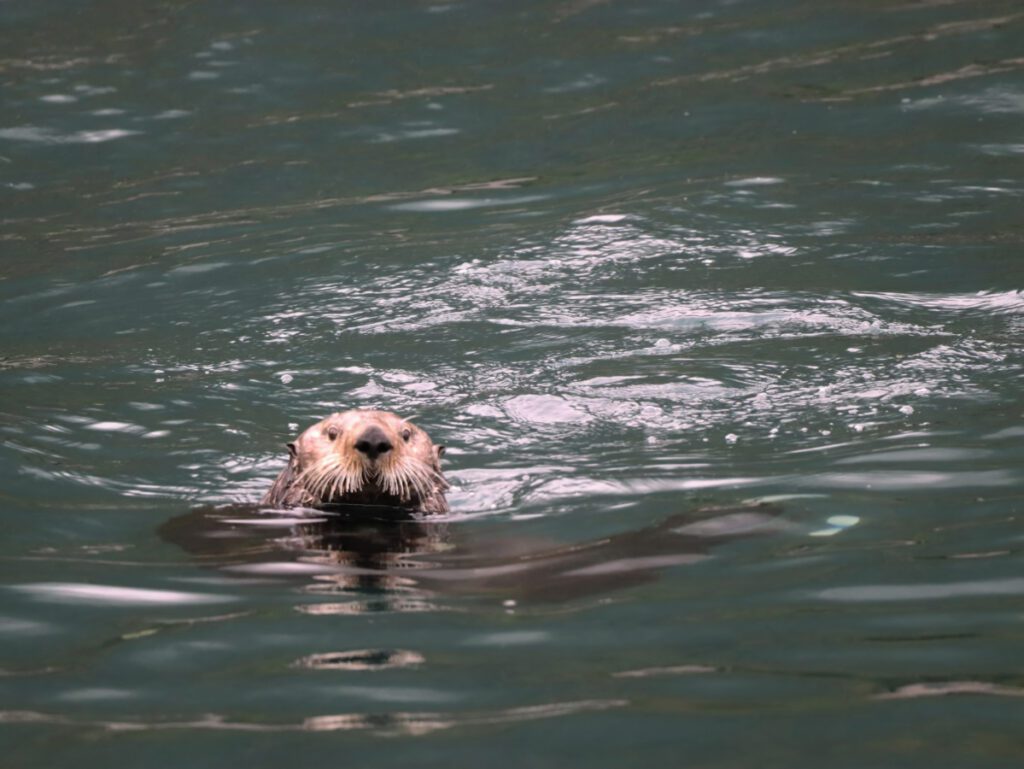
{"x": 636, "y": 264}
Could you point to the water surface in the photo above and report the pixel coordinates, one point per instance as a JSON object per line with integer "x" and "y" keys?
{"x": 639, "y": 265}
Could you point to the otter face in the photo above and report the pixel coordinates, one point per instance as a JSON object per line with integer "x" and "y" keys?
{"x": 366, "y": 457}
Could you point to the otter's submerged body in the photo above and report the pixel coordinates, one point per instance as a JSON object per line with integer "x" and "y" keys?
{"x": 362, "y": 457}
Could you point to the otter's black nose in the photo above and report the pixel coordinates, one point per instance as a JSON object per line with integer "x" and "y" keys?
{"x": 373, "y": 442}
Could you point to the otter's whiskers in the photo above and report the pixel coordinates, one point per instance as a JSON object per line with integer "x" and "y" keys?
{"x": 330, "y": 477}
{"x": 406, "y": 479}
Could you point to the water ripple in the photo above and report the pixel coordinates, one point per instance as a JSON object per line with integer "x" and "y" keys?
{"x": 924, "y": 592}
{"x": 42, "y": 135}
{"x": 388, "y": 724}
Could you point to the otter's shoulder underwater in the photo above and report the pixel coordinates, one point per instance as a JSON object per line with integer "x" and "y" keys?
{"x": 362, "y": 457}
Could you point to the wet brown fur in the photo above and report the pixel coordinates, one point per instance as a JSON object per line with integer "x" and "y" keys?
{"x": 325, "y": 468}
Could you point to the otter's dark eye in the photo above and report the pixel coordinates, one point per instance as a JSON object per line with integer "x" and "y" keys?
{"x": 332, "y": 433}
{"x": 406, "y": 434}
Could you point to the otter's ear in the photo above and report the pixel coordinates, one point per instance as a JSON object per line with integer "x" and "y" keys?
{"x": 292, "y": 451}
{"x": 439, "y": 450}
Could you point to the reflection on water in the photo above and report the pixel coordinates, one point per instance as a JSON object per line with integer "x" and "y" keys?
{"x": 364, "y": 659}
{"x": 354, "y": 552}
{"x": 115, "y": 596}
{"x": 627, "y": 260}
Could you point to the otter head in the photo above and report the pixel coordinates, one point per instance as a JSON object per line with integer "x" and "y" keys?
{"x": 369, "y": 458}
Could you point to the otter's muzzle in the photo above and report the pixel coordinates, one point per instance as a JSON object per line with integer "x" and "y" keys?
{"x": 373, "y": 442}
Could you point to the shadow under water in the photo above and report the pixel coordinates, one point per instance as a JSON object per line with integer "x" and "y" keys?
{"x": 362, "y": 550}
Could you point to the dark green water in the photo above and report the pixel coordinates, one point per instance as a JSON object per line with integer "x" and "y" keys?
{"x": 629, "y": 261}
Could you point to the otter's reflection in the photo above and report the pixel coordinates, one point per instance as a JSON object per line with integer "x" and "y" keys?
{"x": 408, "y": 562}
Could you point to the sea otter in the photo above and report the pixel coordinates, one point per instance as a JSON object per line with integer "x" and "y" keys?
{"x": 362, "y": 457}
